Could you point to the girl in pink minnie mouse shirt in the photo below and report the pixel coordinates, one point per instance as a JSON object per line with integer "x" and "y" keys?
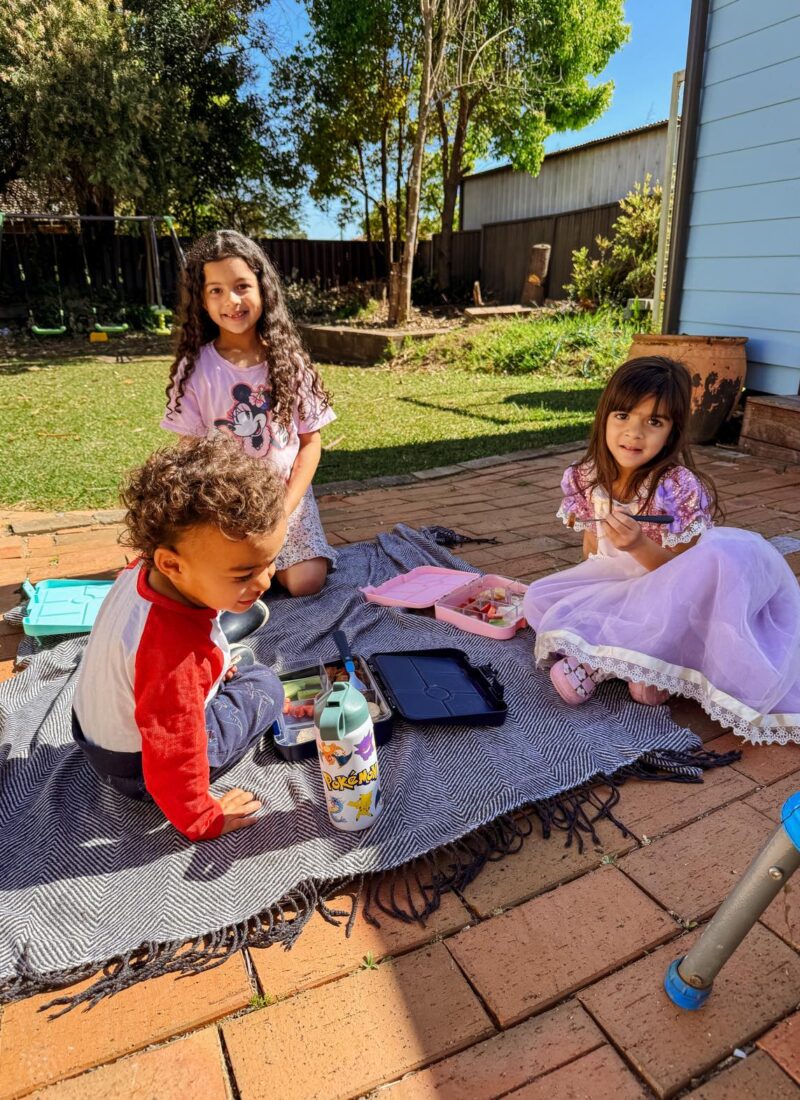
{"x": 241, "y": 370}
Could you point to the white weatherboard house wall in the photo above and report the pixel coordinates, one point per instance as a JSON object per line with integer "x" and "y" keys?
{"x": 592, "y": 174}
{"x": 742, "y": 271}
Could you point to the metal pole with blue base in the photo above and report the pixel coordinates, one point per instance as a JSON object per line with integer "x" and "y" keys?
{"x": 689, "y": 980}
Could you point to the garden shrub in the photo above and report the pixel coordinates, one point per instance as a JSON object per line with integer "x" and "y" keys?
{"x": 626, "y": 266}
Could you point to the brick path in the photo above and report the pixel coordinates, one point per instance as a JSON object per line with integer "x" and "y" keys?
{"x": 514, "y": 988}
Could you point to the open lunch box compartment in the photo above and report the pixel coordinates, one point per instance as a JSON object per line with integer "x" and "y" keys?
{"x": 62, "y": 607}
{"x": 455, "y": 598}
{"x": 438, "y": 685}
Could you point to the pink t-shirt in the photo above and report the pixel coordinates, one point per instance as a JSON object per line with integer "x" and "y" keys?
{"x": 219, "y": 397}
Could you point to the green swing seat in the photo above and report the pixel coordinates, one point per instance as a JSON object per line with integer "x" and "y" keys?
{"x": 111, "y": 329}
{"x": 57, "y": 330}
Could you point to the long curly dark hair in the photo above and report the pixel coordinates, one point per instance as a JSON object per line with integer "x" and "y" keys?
{"x": 293, "y": 380}
{"x": 670, "y": 384}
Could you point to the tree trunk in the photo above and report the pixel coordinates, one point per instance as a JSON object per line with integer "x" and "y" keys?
{"x": 451, "y": 178}
{"x": 402, "y": 304}
{"x": 367, "y": 226}
{"x": 383, "y": 206}
{"x": 91, "y": 199}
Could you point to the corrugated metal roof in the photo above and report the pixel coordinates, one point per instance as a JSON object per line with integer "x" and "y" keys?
{"x": 574, "y": 148}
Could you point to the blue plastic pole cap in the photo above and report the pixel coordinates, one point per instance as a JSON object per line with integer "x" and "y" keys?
{"x": 790, "y": 818}
{"x": 680, "y": 992}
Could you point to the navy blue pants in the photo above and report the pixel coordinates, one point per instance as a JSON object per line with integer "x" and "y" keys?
{"x": 243, "y": 708}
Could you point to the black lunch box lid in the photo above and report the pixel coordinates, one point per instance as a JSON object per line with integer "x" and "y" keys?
{"x": 440, "y": 686}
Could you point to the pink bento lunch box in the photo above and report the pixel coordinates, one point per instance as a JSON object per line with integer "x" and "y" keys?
{"x": 446, "y": 591}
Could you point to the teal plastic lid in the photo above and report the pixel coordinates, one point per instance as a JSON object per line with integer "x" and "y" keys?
{"x": 63, "y": 607}
{"x": 342, "y": 711}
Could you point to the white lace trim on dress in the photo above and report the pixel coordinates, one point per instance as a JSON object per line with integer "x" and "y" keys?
{"x": 767, "y": 729}
{"x": 563, "y": 514}
{"x": 695, "y": 528}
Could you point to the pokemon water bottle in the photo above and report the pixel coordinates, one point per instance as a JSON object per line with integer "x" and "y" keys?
{"x": 347, "y": 758}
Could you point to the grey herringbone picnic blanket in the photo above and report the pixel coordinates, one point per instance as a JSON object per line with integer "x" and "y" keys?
{"x": 86, "y": 875}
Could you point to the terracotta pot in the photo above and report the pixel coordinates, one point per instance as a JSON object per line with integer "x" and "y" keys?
{"x": 717, "y": 365}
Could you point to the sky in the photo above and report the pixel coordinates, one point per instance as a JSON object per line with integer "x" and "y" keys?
{"x": 642, "y": 74}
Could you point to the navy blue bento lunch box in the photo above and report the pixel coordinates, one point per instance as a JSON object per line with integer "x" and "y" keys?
{"x": 440, "y": 686}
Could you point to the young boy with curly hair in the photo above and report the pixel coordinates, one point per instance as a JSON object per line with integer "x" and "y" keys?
{"x": 160, "y": 709}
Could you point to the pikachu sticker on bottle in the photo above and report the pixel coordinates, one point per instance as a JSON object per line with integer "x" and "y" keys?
{"x": 348, "y": 758}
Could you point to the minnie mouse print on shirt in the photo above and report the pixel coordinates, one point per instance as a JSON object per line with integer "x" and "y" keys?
{"x": 220, "y": 397}
{"x": 248, "y": 419}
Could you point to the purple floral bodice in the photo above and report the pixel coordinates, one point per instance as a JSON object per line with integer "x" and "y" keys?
{"x": 679, "y": 493}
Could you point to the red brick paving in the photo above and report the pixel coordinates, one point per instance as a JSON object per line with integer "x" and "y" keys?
{"x": 782, "y": 1043}
{"x": 691, "y": 871}
{"x": 349, "y": 1036}
{"x": 36, "y": 1050}
{"x": 670, "y": 1047}
{"x": 505, "y": 1061}
{"x": 601, "y": 1075}
{"x": 187, "y": 1067}
{"x": 547, "y": 923}
{"x": 753, "y": 1078}
{"x": 537, "y": 953}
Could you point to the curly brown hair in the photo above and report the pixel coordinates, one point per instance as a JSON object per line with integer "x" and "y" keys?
{"x": 199, "y": 481}
{"x": 293, "y": 379}
{"x": 670, "y": 384}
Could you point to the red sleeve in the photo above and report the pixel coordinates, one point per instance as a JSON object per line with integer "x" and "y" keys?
{"x": 176, "y": 664}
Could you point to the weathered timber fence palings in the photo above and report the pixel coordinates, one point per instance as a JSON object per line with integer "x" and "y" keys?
{"x": 330, "y": 263}
{"x": 498, "y": 254}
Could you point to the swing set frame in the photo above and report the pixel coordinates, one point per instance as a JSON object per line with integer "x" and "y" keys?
{"x": 149, "y": 221}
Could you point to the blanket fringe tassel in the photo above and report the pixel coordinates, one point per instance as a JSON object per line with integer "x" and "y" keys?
{"x": 410, "y": 893}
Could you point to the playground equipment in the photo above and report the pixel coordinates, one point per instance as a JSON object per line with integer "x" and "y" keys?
{"x": 689, "y": 980}
{"x": 99, "y": 329}
{"x": 38, "y": 330}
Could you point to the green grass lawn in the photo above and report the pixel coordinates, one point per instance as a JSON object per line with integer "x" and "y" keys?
{"x": 70, "y": 429}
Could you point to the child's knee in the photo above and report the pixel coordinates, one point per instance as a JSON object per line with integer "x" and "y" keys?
{"x": 307, "y": 578}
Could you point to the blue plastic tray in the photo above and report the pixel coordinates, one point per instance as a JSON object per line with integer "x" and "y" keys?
{"x": 62, "y": 607}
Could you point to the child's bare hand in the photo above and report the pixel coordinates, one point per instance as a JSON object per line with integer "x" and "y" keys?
{"x": 625, "y": 533}
{"x": 238, "y": 807}
{"x": 229, "y": 675}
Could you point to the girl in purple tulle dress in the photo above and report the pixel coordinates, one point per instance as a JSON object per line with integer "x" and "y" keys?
{"x": 683, "y": 607}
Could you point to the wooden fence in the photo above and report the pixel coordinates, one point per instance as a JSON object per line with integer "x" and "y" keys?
{"x": 497, "y": 255}
{"x": 118, "y": 265}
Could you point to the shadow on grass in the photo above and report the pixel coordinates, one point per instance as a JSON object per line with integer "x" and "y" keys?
{"x": 77, "y": 349}
{"x": 558, "y": 400}
{"x": 341, "y": 464}
{"x": 548, "y": 400}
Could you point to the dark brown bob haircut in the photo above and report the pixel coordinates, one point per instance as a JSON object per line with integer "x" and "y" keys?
{"x": 669, "y": 384}
{"x": 199, "y": 481}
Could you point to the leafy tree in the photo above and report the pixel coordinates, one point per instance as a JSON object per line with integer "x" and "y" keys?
{"x": 473, "y": 76}
{"x": 143, "y": 106}
{"x": 80, "y": 97}
{"x": 516, "y": 71}
{"x": 342, "y": 98}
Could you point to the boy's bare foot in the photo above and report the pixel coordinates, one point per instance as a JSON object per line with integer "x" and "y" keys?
{"x": 238, "y": 807}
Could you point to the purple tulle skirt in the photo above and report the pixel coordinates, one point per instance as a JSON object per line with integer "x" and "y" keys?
{"x": 719, "y": 623}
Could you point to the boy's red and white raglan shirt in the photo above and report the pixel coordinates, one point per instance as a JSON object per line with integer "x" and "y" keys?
{"x": 149, "y": 670}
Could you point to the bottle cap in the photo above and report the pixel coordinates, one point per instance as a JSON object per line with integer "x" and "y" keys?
{"x": 341, "y": 711}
